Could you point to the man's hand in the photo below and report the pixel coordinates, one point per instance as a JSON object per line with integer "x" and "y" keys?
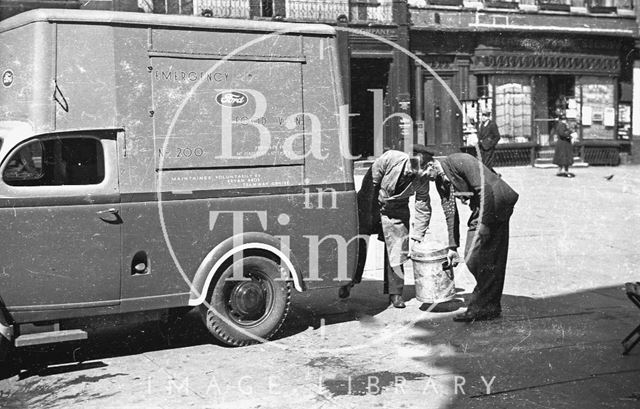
{"x": 452, "y": 257}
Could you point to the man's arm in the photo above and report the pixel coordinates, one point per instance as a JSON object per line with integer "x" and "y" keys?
{"x": 451, "y": 215}
{"x": 378, "y": 169}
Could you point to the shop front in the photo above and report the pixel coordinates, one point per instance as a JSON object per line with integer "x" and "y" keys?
{"x": 527, "y": 82}
{"x": 526, "y": 68}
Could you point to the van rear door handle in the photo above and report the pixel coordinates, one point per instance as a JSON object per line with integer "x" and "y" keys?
{"x": 104, "y": 216}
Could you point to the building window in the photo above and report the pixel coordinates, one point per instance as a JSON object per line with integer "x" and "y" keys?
{"x": 267, "y": 8}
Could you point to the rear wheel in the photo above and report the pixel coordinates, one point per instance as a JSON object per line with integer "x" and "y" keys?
{"x": 243, "y": 312}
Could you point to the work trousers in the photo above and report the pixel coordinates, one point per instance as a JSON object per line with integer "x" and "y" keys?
{"x": 487, "y": 157}
{"x": 486, "y": 259}
{"x": 393, "y": 276}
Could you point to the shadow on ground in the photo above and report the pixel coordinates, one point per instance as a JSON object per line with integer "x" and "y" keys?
{"x": 114, "y": 337}
{"x": 556, "y": 352}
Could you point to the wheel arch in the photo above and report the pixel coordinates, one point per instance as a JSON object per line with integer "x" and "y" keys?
{"x": 216, "y": 259}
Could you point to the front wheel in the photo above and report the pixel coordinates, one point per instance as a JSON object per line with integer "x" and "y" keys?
{"x": 248, "y": 311}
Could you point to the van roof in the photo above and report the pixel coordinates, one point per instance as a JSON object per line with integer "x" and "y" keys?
{"x": 159, "y": 20}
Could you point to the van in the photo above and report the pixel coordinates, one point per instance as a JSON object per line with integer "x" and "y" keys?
{"x": 158, "y": 163}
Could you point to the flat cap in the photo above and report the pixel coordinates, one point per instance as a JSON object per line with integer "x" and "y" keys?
{"x": 419, "y": 149}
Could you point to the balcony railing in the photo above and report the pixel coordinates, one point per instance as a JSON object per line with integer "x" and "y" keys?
{"x": 594, "y": 6}
{"x": 329, "y": 11}
{"x": 222, "y": 8}
{"x": 380, "y": 11}
{"x": 316, "y": 10}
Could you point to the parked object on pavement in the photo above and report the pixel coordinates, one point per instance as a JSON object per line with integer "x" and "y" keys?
{"x": 433, "y": 274}
{"x": 154, "y": 162}
{"x": 630, "y": 341}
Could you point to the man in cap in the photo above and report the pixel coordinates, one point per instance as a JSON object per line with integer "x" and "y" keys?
{"x": 383, "y": 204}
{"x": 488, "y": 137}
{"x": 491, "y": 201}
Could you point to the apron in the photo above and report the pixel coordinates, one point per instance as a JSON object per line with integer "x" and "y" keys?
{"x": 394, "y": 217}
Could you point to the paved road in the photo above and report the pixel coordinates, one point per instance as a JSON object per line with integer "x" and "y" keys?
{"x": 574, "y": 243}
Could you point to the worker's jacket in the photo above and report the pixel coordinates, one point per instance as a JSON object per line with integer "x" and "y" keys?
{"x": 381, "y": 185}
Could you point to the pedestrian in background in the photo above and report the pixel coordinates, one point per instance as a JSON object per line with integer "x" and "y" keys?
{"x": 491, "y": 201}
{"x": 393, "y": 178}
{"x": 488, "y": 137}
{"x": 563, "y": 155}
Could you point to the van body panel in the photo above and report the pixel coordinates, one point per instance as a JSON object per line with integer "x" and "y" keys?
{"x": 178, "y": 234}
{"x": 324, "y": 100}
{"x": 27, "y": 53}
{"x": 86, "y": 83}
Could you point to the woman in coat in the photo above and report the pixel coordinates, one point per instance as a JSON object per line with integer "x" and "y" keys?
{"x": 563, "y": 155}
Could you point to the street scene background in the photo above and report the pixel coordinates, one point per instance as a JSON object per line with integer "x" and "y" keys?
{"x": 574, "y": 243}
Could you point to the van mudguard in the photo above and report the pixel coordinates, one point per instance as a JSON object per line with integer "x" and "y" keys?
{"x": 224, "y": 251}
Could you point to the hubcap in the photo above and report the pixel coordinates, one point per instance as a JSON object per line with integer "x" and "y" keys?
{"x": 248, "y": 300}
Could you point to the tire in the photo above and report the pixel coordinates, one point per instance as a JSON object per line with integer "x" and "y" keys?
{"x": 246, "y": 312}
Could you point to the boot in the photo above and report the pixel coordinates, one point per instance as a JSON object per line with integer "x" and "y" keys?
{"x": 397, "y": 301}
{"x": 345, "y": 290}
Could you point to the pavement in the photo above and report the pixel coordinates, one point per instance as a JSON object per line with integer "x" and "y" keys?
{"x": 574, "y": 243}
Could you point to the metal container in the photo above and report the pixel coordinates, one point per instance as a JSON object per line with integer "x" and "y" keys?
{"x": 433, "y": 276}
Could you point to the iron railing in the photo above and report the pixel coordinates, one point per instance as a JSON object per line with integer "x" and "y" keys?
{"x": 223, "y": 8}
{"x": 316, "y": 10}
{"x": 379, "y": 11}
{"x": 557, "y": 5}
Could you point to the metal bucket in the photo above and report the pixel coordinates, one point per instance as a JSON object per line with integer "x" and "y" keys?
{"x": 433, "y": 278}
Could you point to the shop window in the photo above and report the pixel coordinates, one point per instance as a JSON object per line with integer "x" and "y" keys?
{"x": 513, "y": 107}
{"x": 624, "y": 121}
{"x": 598, "y": 114}
{"x": 56, "y": 161}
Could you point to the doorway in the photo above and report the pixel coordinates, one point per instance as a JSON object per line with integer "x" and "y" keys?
{"x": 561, "y": 91}
{"x": 366, "y": 74}
{"x": 553, "y": 96}
{"x": 442, "y": 117}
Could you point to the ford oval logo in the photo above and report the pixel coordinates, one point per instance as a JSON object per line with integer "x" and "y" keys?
{"x": 231, "y": 99}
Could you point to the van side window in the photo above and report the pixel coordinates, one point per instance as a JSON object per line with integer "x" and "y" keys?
{"x": 56, "y": 161}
